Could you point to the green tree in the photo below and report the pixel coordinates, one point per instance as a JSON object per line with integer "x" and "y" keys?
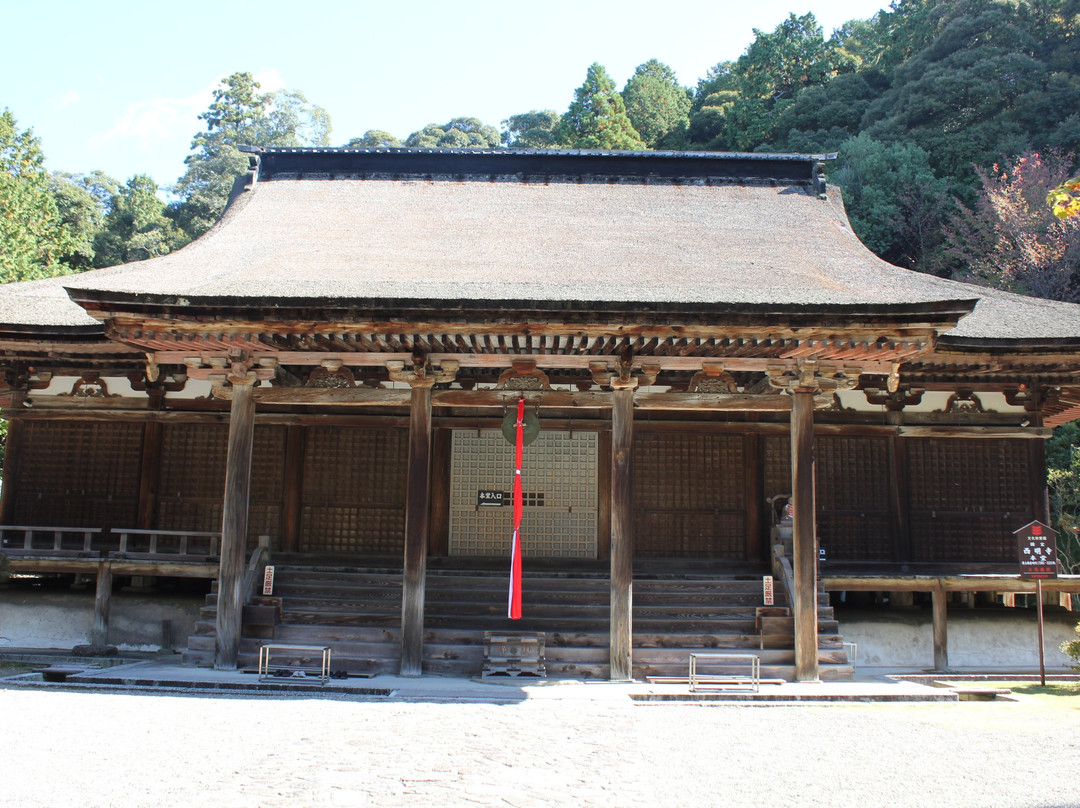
{"x": 893, "y": 198}
{"x": 373, "y": 139}
{"x": 739, "y": 105}
{"x": 597, "y": 116}
{"x": 82, "y": 211}
{"x": 34, "y": 238}
{"x": 136, "y": 227}
{"x": 537, "y": 129}
{"x": 657, "y": 105}
{"x": 240, "y": 115}
{"x": 459, "y": 133}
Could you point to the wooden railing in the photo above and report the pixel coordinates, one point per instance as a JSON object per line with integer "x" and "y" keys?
{"x": 38, "y": 540}
{"x": 782, "y": 570}
{"x": 167, "y": 544}
{"x": 253, "y": 575}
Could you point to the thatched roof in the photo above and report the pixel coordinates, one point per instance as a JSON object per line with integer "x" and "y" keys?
{"x": 514, "y": 232}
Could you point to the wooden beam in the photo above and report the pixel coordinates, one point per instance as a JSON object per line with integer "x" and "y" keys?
{"x": 949, "y": 583}
{"x": 549, "y": 361}
{"x": 622, "y": 537}
{"x": 416, "y": 529}
{"x": 1030, "y": 432}
{"x": 99, "y": 634}
{"x": 941, "y": 629}
{"x": 90, "y": 566}
{"x": 804, "y": 563}
{"x": 234, "y": 524}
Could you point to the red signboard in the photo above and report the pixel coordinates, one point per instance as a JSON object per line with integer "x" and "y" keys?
{"x": 1036, "y": 550}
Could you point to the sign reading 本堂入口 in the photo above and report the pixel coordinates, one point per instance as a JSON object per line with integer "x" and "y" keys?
{"x": 490, "y": 499}
{"x": 1036, "y": 550}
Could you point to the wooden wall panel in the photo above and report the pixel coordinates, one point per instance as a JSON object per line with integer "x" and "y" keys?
{"x": 967, "y": 497}
{"x": 354, "y": 490}
{"x": 689, "y": 494}
{"x": 853, "y": 498}
{"x": 192, "y": 480}
{"x": 79, "y": 474}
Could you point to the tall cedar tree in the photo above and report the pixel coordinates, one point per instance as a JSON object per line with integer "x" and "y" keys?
{"x": 658, "y": 107}
{"x": 597, "y": 116}
{"x": 33, "y": 235}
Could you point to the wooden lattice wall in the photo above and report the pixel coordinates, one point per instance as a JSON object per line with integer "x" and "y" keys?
{"x": 78, "y": 474}
{"x": 690, "y": 495}
{"x": 967, "y": 497}
{"x": 354, "y": 490}
{"x": 192, "y": 480}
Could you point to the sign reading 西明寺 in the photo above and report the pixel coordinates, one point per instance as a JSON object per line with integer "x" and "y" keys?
{"x": 490, "y": 499}
{"x": 1036, "y": 550}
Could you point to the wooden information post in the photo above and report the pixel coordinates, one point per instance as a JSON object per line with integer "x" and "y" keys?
{"x": 1036, "y": 551}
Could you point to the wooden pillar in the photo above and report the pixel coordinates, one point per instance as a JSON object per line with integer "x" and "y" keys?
{"x": 603, "y": 488}
{"x": 234, "y": 523}
{"x": 149, "y": 474}
{"x": 940, "y": 599}
{"x": 291, "y": 511}
{"x": 804, "y": 598}
{"x": 99, "y": 634}
{"x": 622, "y": 537}
{"x": 441, "y": 451}
{"x": 12, "y": 451}
{"x": 416, "y": 528}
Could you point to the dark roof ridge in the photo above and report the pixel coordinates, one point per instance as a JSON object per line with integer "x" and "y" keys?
{"x": 518, "y": 164}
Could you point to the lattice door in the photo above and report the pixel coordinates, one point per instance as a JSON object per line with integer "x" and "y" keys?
{"x": 690, "y": 496}
{"x": 560, "y": 486}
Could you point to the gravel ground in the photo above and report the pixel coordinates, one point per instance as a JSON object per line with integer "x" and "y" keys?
{"x": 119, "y": 749}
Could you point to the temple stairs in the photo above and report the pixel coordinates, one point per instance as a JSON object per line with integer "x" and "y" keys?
{"x": 357, "y": 613}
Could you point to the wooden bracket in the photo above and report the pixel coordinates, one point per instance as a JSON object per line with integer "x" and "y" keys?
{"x": 422, "y": 374}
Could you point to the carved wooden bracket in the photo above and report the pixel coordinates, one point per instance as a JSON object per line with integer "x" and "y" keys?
{"x": 712, "y": 378}
{"x": 90, "y": 385}
{"x": 623, "y": 376}
{"x": 964, "y": 402}
{"x": 809, "y": 376}
{"x": 237, "y": 369}
{"x": 523, "y": 375}
{"x": 331, "y": 375}
{"x": 894, "y": 402}
{"x": 423, "y": 375}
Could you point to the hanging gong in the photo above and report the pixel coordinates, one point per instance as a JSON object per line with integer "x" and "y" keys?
{"x": 529, "y": 433}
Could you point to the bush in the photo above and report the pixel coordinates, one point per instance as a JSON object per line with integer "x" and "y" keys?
{"x": 1073, "y": 650}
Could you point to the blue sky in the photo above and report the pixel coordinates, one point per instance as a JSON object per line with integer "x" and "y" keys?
{"x": 117, "y": 86}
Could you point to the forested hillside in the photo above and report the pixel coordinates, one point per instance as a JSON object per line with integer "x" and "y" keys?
{"x": 951, "y": 120}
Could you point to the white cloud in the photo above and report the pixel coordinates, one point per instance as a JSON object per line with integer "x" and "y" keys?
{"x": 151, "y": 122}
{"x": 65, "y": 99}
{"x": 163, "y": 119}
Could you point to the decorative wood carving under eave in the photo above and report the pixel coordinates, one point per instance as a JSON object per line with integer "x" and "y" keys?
{"x": 894, "y": 402}
{"x": 331, "y": 375}
{"x": 856, "y": 343}
{"x": 523, "y": 375}
{"x": 811, "y": 376}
